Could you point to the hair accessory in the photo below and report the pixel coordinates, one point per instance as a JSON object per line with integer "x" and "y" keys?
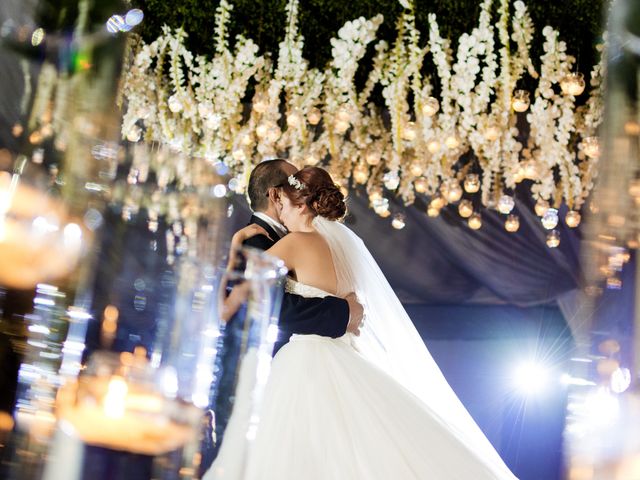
{"x": 295, "y": 183}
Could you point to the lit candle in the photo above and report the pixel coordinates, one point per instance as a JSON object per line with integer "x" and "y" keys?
{"x": 465, "y": 209}
{"x": 433, "y": 146}
{"x": 430, "y": 106}
{"x": 432, "y": 211}
{"x": 361, "y": 173}
{"x": 38, "y": 241}
{"x": 314, "y": 116}
{"x": 375, "y": 194}
{"x": 421, "y": 184}
{"x": 512, "y": 224}
{"x": 437, "y": 202}
{"x": 475, "y": 221}
{"x": 591, "y": 147}
{"x": 409, "y": 132}
{"x": 373, "y": 156}
{"x": 294, "y": 119}
{"x": 398, "y": 221}
{"x": 111, "y": 412}
{"x": 573, "y": 218}
{"x": 520, "y": 101}
{"x": 472, "y": 183}
{"x": 550, "y": 219}
{"x": 573, "y": 84}
{"x": 506, "y": 204}
{"x": 454, "y": 192}
{"x": 553, "y": 239}
{"x": 416, "y": 169}
{"x": 451, "y": 142}
{"x": 492, "y": 133}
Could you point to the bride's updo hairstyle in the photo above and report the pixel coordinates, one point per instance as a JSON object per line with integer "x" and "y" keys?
{"x": 313, "y": 187}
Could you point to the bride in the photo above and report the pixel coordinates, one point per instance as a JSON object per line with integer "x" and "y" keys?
{"x": 373, "y": 406}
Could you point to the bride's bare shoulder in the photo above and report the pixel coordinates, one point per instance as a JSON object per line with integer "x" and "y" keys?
{"x": 297, "y": 240}
{"x": 303, "y": 237}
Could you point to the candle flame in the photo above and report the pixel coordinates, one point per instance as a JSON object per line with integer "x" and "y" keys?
{"x": 114, "y": 400}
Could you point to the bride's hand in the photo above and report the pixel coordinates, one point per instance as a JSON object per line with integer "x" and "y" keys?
{"x": 246, "y": 233}
{"x": 240, "y": 237}
{"x": 356, "y": 314}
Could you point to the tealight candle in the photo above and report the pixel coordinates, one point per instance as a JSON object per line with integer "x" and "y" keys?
{"x": 37, "y": 239}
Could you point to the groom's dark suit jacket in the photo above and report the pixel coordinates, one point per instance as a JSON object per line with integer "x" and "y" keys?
{"x": 321, "y": 316}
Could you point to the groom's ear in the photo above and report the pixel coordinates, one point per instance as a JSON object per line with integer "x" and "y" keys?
{"x": 273, "y": 194}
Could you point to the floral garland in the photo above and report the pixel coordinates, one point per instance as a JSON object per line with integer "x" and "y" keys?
{"x": 417, "y": 145}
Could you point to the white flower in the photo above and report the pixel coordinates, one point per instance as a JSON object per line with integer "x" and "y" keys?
{"x": 295, "y": 183}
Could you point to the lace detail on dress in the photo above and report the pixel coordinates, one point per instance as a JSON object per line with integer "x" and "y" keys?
{"x": 307, "y": 291}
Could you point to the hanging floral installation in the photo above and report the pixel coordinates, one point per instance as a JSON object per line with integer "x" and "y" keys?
{"x": 471, "y": 128}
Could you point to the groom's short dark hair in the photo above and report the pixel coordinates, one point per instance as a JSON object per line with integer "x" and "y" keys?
{"x": 265, "y": 175}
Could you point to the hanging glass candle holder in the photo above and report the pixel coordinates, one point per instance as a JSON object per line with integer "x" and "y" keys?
{"x": 438, "y": 202}
{"x": 553, "y": 239}
{"x": 432, "y": 211}
{"x": 506, "y": 204}
{"x": 520, "y": 101}
{"x": 430, "y": 106}
{"x": 573, "y": 218}
{"x": 512, "y": 223}
{"x": 541, "y": 207}
{"x": 465, "y": 208}
{"x": 409, "y": 132}
{"x": 531, "y": 169}
{"x": 591, "y": 147}
{"x": 492, "y": 132}
{"x": 375, "y": 193}
{"x": 472, "y": 183}
{"x": 380, "y": 206}
{"x": 391, "y": 180}
{"x": 361, "y": 173}
{"x": 398, "y": 221}
{"x": 451, "y": 142}
{"x": 550, "y": 219}
{"x": 475, "y": 221}
{"x": 294, "y": 118}
{"x": 314, "y": 116}
{"x": 454, "y": 191}
{"x": 421, "y": 184}
{"x": 416, "y": 168}
{"x": 433, "y": 146}
{"x": 260, "y": 102}
{"x": 573, "y": 84}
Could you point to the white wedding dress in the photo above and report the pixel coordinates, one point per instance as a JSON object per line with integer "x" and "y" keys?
{"x": 373, "y": 407}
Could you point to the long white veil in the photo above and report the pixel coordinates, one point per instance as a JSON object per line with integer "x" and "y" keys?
{"x": 389, "y": 339}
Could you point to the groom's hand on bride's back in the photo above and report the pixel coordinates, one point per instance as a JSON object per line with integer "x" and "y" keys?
{"x": 356, "y": 314}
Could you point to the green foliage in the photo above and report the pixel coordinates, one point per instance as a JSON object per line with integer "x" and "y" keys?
{"x": 62, "y": 15}
{"x": 580, "y": 22}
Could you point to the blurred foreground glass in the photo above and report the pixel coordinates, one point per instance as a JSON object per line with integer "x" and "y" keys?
{"x": 57, "y": 159}
{"x": 61, "y": 151}
{"x": 250, "y": 299}
{"x": 602, "y": 441}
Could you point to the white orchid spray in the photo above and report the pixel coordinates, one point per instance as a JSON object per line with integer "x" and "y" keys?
{"x": 220, "y": 85}
{"x": 340, "y": 96}
{"x": 429, "y": 133}
{"x": 474, "y": 98}
{"x": 552, "y": 123}
{"x": 589, "y": 118}
{"x": 302, "y": 87}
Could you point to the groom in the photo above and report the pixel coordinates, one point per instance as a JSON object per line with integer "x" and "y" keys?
{"x": 328, "y": 316}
